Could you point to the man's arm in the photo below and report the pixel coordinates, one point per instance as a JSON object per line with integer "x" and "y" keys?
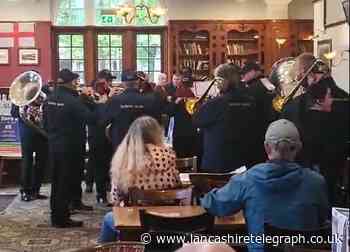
{"x": 226, "y": 200}
{"x": 84, "y": 111}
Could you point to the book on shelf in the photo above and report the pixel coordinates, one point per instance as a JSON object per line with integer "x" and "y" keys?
{"x": 193, "y": 49}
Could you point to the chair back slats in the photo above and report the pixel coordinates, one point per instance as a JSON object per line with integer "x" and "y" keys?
{"x": 205, "y": 182}
{"x": 179, "y": 196}
{"x": 192, "y": 224}
{"x": 187, "y": 164}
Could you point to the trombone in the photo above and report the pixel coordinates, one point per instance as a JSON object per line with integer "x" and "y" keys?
{"x": 192, "y": 104}
{"x": 283, "y": 70}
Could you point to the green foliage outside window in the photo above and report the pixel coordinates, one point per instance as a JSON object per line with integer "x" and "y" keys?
{"x": 148, "y": 54}
{"x": 70, "y": 12}
{"x": 71, "y": 53}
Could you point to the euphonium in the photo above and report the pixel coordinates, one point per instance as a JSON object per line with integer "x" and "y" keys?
{"x": 25, "y": 92}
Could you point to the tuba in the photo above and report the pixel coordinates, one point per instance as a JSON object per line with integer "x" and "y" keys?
{"x": 284, "y": 76}
{"x": 25, "y": 92}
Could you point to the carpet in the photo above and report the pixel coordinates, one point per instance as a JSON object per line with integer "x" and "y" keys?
{"x": 5, "y": 200}
{"x": 25, "y": 227}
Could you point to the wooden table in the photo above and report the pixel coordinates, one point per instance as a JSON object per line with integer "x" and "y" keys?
{"x": 128, "y": 219}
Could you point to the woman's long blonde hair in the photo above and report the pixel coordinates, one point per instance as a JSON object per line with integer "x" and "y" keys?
{"x": 128, "y": 160}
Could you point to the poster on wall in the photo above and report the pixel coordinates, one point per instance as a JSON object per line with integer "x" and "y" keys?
{"x": 4, "y": 56}
{"x": 333, "y": 13}
{"x": 9, "y": 137}
{"x": 28, "y": 56}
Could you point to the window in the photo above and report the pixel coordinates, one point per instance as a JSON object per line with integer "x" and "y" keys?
{"x": 149, "y": 54}
{"x": 71, "y": 53}
{"x": 110, "y": 53}
{"x": 106, "y": 20}
{"x": 70, "y": 12}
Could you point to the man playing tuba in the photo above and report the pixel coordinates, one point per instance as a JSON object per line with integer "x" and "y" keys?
{"x": 33, "y": 139}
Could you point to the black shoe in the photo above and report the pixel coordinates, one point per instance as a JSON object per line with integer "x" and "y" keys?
{"x": 88, "y": 188}
{"x": 68, "y": 224}
{"x": 27, "y": 196}
{"x": 81, "y": 207}
{"x": 40, "y": 196}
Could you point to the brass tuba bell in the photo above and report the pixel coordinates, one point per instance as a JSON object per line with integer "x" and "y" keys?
{"x": 25, "y": 92}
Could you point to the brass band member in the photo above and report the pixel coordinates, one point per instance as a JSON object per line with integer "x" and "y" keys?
{"x": 322, "y": 117}
{"x": 100, "y": 152}
{"x": 123, "y": 109}
{"x": 228, "y": 123}
{"x": 65, "y": 117}
{"x": 33, "y": 168}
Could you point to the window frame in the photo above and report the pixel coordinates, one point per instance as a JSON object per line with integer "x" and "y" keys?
{"x": 108, "y": 32}
{"x": 153, "y": 31}
{"x": 61, "y": 30}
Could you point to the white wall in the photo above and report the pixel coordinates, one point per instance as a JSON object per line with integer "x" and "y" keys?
{"x": 340, "y": 42}
{"x": 25, "y": 10}
{"x": 217, "y": 9}
{"x": 41, "y": 10}
{"x": 300, "y": 9}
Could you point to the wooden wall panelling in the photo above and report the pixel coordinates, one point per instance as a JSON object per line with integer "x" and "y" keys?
{"x": 90, "y": 55}
{"x": 277, "y": 29}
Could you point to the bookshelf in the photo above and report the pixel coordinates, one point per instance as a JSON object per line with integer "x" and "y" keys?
{"x": 243, "y": 46}
{"x": 193, "y": 52}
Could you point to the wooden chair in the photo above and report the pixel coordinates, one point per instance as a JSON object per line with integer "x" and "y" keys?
{"x": 205, "y": 182}
{"x": 159, "y": 223}
{"x": 179, "y": 196}
{"x": 187, "y": 164}
{"x": 116, "y": 247}
{"x": 181, "y": 227}
{"x": 324, "y": 232}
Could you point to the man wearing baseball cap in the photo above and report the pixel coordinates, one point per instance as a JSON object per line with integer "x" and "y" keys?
{"x": 124, "y": 108}
{"x": 65, "y": 117}
{"x": 279, "y": 192}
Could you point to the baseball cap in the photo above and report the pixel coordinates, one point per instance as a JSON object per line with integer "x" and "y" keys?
{"x": 249, "y": 66}
{"x": 105, "y": 74}
{"x": 129, "y": 76}
{"x": 282, "y": 130}
{"x": 66, "y": 76}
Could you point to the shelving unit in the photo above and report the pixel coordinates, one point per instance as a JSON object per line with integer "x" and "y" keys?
{"x": 242, "y": 46}
{"x": 193, "y": 52}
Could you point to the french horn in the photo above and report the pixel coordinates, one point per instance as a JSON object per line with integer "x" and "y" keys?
{"x": 26, "y": 93}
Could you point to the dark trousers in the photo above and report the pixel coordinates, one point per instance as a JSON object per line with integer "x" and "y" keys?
{"x": 33, "y": 169}
{"x": 99, "y": 162}
{"x": 184, "y": 146}
{"x": 77, "y": 173}
{"x": 62, "y": 164}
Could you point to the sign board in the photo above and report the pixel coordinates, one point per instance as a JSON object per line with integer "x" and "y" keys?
{"x": 9, "y": 136}
{"x": 108, "y": 19}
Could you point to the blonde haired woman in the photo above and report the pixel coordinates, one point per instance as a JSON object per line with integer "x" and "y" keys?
{"x": 141, "y": 161}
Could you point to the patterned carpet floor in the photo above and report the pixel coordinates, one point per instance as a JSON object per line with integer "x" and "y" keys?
{"x": 25, "y": 226}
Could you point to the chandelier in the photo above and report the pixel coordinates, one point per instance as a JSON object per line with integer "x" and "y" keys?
{"x": 129, "y": 12}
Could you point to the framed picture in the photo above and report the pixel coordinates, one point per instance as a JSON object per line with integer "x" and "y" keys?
{"x": 28, "y": 56}
{"x": 4, "y": 56}
{"x": 334, "y": 12}
{"x": 324, "y": 47}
